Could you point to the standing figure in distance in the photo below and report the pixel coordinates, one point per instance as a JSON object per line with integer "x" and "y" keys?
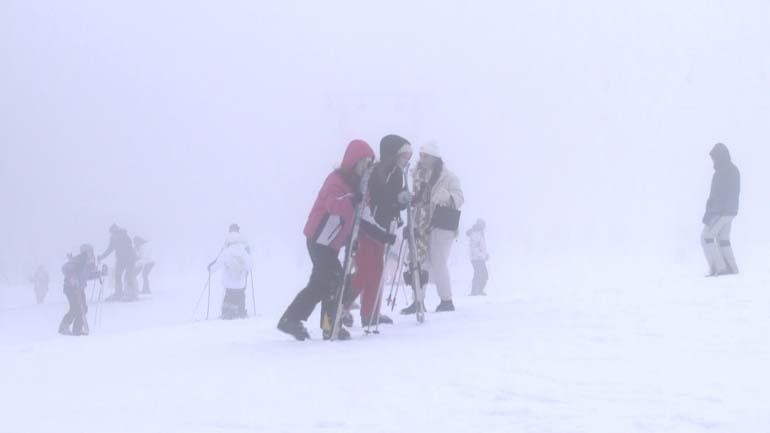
{"x": 721, "y": 210}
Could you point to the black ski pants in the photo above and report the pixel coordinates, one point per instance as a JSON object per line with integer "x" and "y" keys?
{"x": 325, "y": 280}
{"x": 76, "y": 316}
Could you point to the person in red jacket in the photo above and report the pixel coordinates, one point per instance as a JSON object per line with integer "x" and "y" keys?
{"x": 328, "y": 229}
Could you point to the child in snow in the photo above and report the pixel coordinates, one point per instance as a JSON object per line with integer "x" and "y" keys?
{"x": 235, "y": 260}
{"x": 386, "y": 199}
{"x": 144, "y": 263}
{"x": 479, "y": 257}
{"x": 40, "y": 281}
{"x": 77, "y": 272}
{"x": 328, "y": 229}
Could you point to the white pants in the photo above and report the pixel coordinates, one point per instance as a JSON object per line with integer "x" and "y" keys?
{"x": 717, "y": 246}
{"x": 440, "y": 247}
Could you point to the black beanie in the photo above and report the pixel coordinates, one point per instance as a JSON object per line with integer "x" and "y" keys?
{"x": 389, "y": 147}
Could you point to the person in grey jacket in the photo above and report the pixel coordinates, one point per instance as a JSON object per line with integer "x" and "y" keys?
{"x": 125, "y": 265}
{"x": 721, "y": 210}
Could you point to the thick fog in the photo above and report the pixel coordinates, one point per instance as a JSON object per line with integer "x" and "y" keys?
{"x": 580, "y": 130}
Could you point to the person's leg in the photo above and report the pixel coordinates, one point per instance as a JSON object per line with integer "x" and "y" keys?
{"x": 79, "y": 311}
{"x": 69, "y": 317}
{"x": 710, "y": 247}
{"x": 713, "y": 246}
{"x": 327, "y": 272}
{"x": 370, "y": 273}
{"x": 440, "y": 247}
{"x": 484, "y": 277}
{"x": 726, "y": 248}
{"x": 476, "y": 282}
{"x": 132, "y": 286}
{"x": 120, "y": 269}
{"x": 146, "y": 277}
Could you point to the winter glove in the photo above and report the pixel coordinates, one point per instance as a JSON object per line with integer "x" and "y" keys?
{"x": 710, "y": 218}
{"x": 404, "y": 197}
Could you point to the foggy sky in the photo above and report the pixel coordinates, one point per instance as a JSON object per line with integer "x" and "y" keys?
{"x": 578, "y": 129}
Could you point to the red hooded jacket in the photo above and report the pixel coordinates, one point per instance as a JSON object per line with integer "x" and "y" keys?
{"x": 331, "y": 220}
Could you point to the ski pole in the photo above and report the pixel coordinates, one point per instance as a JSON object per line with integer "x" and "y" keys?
{"x": 253, "y": 295}
{"x": 200, "y": 298}
{"x": 208, "y": 300}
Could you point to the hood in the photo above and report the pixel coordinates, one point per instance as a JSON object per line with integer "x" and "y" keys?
{"x": 389, "y": 147}
{"x": 356, "y": 151}
{"x": 721, "y": 155}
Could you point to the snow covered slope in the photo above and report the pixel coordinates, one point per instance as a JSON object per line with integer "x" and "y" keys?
{"x": 673, "y": 354}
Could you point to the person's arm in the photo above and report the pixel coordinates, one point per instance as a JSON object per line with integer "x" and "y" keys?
{"x": 716, "y": 200}
{"x": 110, "y": 249}
{"x": 337, "y": 200}
{"x": 456, "y": 191}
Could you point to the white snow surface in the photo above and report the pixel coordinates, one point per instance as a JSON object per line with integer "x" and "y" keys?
{"x": 674, "y": 352}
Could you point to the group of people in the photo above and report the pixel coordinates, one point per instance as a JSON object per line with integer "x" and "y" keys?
{"x": 435, "y": 200}
{"x": 132, "y": 259}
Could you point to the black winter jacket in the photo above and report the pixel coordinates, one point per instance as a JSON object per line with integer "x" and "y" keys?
{"x": 724, "y": 199}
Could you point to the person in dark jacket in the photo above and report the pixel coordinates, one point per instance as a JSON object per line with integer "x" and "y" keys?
{"x": 328, "y": 229}
{"x": 125, "y": 265}
{"x": 721, "y": 210}
{"x": 77, "y": 272}
{"x": 382, "y": 215}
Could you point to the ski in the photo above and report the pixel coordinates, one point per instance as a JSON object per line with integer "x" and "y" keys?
{"x": 350, "y": 253}
{"x": 414, "y": 264}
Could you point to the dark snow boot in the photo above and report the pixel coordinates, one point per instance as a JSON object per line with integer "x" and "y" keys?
{"x": 412, "y": 309}
{"x": 295, "y": 328}
{"x": 445, "y": 306}
{"x": 342, "y": 334}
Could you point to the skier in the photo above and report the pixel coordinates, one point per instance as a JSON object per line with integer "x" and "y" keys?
{"x": 386, "y": 199}
{"x": 125, "y": 264}
{"x": 438, "y": 199}
{"x": 77, "y": 272}
{"x": 721, "y": 210}
{"x": 328, "y": 229}
{"x": 479, "y": 257}
{"x": 144, "y": 262}
{"x": 40, "y": 280}
{"x": 235, "y": 258}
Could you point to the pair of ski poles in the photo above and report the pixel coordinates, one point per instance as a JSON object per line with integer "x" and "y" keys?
{"x": 207, "y": 290}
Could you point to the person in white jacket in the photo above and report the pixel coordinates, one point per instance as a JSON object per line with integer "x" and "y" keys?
{"x": 144, "y": 262}
{"x": 479, "y": 257}
{"x": 235, "y": 262}
{"x": 435, "y": 187}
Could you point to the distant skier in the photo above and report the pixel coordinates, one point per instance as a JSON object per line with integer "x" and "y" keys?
{"x": 235, "y": 260}
{"x": 438, "y": 199}
{"x": 144, "y": 263}
{"x": 125, "y": 265}
{"x": 40, "y": 281}
{"x": 479, "y": 257}
{"x": 386, "y": 199}
{"x": 77, "y": 272}
{"x": 328, "y": 229}
{"x": 721, "y": 210}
